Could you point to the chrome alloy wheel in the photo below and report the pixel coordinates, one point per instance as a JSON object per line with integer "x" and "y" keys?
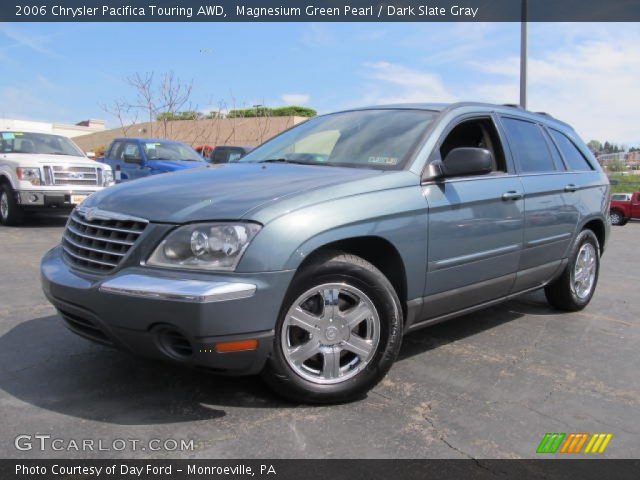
{"x": 330, "y": 333}
{"x": 4, "y": 205}
{"x": 615, "y": 218}
{"x": 584, "y": 271}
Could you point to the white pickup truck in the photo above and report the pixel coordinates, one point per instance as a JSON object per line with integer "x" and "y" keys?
{"x": 41, "y": 171}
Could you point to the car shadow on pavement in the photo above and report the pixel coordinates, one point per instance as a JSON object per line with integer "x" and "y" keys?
{"x": 43, "y": 364}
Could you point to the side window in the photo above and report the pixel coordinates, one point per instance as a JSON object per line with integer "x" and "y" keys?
{"x": 570, "y": 152}
{"x": 528, "y": 145}
{"x": 219, "y": 155}
{"x": 130, "y": 149}
{"x": 115, "y": 151}
{"x": 478, "y": 132}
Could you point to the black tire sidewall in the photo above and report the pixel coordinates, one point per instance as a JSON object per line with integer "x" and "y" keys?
{"x": 371, "y": 282}
{"x": 14, "y": 215}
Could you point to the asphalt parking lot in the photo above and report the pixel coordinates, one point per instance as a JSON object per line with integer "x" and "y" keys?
{"x": 487, "y": 385}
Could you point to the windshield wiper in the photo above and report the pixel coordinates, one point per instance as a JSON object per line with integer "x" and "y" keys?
{"x": 286, "y": 160}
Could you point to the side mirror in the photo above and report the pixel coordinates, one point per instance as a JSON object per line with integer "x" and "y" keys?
{"x": 467, "y": 161}
{"x": 132, "y": 159}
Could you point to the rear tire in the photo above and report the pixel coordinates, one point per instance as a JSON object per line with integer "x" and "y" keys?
{"x": 339, "y": 332}
{"x": 573, "y": 290}
{"x": 10, "y": 213}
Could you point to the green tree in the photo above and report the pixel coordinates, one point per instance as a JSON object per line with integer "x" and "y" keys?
{"x": 595, "y": 146}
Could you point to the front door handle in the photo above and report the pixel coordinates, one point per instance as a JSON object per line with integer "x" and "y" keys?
{"x": 512, "y": 195}
{"x": 571, "y": 188}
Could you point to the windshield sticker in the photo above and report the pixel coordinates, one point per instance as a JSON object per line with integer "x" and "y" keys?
{"x": 383, "y": 160}
{"x": 8, "y": 136}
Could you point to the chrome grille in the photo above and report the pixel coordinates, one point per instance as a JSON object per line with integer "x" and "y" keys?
{"x": 61, "y": 175}
{"x": 99, "y": 240}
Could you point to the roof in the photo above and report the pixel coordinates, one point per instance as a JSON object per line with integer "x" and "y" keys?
{"x": 146, "y": 140}
{"x": 441, "y": 107}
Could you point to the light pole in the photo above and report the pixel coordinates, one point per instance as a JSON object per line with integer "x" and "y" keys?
{"x": 523, "y": 56}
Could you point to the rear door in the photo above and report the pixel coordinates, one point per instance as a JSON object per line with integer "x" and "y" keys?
{"x": 475, "y": 225}
{"x": 635, "y": 205}
{"x": 550, "y": 205}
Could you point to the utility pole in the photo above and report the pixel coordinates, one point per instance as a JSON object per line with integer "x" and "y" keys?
{"x": 523, "y": 56}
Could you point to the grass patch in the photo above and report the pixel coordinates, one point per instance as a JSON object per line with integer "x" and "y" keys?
{"x": 626, "y": 183}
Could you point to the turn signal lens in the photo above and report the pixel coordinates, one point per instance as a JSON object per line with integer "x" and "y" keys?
{"x": 237, "y": 346}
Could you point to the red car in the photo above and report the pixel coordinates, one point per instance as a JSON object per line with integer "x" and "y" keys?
{"x": 624, "y": 206}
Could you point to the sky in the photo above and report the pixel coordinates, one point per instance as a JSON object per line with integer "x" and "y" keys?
{"x": 585, "y": 74}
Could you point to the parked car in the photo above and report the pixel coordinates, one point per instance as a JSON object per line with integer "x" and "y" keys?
{"x": 132, "y": 158}
{"x": 624, "y": 206}
{"x": 42, "y": 172}
{"x": 311, "y": 257}
{"x": 228, "y": 154}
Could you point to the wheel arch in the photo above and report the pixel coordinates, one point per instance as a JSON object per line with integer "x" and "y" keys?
{"x": 599, "y": 227}
{"x": 376, "y": 250}
{"x": 5, "y": 179}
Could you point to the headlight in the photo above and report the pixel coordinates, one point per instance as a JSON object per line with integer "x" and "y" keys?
{"x": 205, "y": 246}
{"x": 107, "y": 177}
{"x": 29, "y": 175}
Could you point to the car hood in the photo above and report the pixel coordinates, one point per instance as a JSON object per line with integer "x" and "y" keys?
{"x": 38, "y": 159}
{"x": 218, "y": 192}
{"x": 173, "y": 165}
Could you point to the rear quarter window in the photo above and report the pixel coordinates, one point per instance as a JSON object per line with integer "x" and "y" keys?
{"x": 528, "y": 146}
{"x": 571, "y": 154}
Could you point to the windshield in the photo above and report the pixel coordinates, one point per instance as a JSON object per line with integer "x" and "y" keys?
{"x": 381, "y": 139}
{"x": 170, "y": 151}
{"x": 44, "y": 143}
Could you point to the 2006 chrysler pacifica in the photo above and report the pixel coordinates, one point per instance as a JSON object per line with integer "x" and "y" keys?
{"x": 311, "y": 257}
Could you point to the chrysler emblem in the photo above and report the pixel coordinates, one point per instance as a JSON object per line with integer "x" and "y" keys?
{"x": 90, "y": 213}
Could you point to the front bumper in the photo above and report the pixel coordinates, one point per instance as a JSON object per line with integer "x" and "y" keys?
{"x": 170, "y": 315}
{"x": 51, "y": 198}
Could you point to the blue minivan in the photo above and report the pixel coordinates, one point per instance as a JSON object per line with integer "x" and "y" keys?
{"x": 132, "y": 158}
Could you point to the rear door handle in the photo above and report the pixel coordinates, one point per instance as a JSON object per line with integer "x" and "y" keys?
{"x": 571, "y": 188}
{"x": 512, "y": 195}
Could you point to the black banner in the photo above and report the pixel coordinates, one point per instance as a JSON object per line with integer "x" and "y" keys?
{"x": 320, "y": 469}
{"x": 318, "y": 11}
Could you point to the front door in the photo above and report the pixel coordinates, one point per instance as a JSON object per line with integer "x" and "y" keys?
{"x": 475, "y": 226}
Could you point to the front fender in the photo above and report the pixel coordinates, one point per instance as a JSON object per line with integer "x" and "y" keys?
{"x": 398, "y": 216}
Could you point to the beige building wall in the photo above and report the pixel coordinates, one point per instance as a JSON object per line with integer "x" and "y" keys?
{"x": 65, "y": 129}
{"x": 224, "y": 131}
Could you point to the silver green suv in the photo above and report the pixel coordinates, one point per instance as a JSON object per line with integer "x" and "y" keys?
{"x": 310, "y": 258}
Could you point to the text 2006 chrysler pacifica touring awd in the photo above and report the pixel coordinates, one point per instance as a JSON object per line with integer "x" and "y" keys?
{"x": 310, "y": 258}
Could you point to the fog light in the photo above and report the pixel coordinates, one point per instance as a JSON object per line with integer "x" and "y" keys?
{"x": 237, "y": 346}
{"x": 33, "y": 198}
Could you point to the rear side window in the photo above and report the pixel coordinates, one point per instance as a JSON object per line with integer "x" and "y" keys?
{"x": 528, "y": 146}
{"x": 570, "y": 152}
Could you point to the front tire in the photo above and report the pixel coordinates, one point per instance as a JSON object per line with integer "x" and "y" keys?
{"x": 572, "y": 291}
{"x": 339, "y": 332}
{"x": 10, "y": 213}
{"x": 616, "y": 218}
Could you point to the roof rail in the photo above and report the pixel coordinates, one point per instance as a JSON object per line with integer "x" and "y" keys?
{"x": 512, "y": 105}
{"x": 545, "y": 114}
